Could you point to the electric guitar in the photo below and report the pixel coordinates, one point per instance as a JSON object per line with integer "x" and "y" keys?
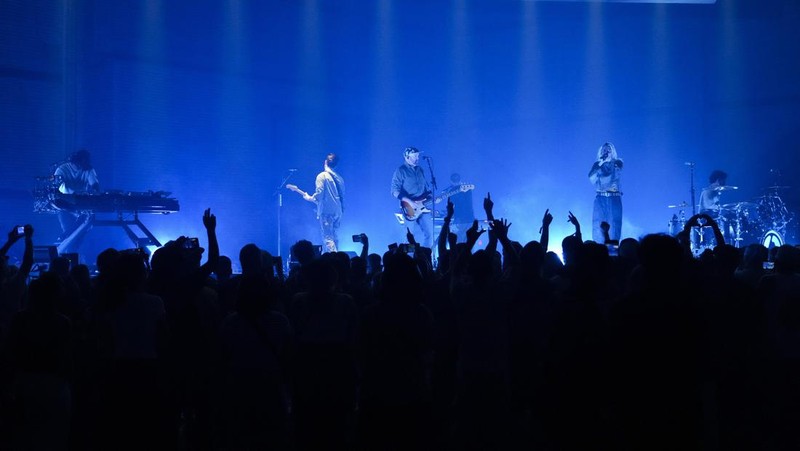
{"x": 296, "y": 190}
{"x": 412, "y": 210}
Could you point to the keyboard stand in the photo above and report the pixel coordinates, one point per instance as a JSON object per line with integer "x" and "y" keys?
{"x": 91, "y": 221}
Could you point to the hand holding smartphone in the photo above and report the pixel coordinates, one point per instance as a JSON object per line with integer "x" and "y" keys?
{"x": 191, "y": 243}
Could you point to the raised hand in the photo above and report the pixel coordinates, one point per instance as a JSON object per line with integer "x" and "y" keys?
{"x": 410, "y": 236}
{"x": 488, "y": 205}
{"x": 572, "y": 219}
{"x": 12, "y": 235}
{"x": 450, "y": 210}
{"x": 473, "y": 233}
{"x": 500, "y": 228}
{"x": 209, "y": 220}
{"x": 547, "y": 218}
{"x": 452, "y": 240}
{"x": 605, "y": 227}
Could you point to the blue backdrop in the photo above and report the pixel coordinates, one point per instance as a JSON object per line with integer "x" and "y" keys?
{"x": 215, "y": 100}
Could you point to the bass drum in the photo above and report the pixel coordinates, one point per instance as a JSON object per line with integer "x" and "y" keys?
{"x": 675, "y": 225}
{"x": 772, "y": 238}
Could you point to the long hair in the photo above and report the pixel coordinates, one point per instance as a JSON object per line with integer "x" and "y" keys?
{"x": 718, "y": 176}
{"x": 82, "y": 158}
{"x": 612, "y": 151}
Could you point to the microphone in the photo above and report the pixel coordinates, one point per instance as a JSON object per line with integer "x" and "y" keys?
{"x": 293, "y": 170}
{"x": 689, "y": 163}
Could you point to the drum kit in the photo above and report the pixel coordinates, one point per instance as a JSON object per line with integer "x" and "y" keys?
{"x": 762, "y": 220}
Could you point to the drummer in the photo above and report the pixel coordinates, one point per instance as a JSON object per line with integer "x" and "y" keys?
{"x": 710, "y": 195}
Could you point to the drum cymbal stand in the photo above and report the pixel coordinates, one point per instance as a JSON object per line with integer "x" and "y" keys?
{"x": 691, "y": 186}
{"x": 737, "y": 228}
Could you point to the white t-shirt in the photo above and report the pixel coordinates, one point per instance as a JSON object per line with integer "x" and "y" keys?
{"x": 74, "y": 179}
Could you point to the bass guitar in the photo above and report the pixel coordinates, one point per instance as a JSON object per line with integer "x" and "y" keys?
{"x": 414, "y": 209}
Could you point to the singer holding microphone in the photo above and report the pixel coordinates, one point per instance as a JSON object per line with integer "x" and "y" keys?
{"x": 605, "y": 175}
{"x": 410, "y": 187}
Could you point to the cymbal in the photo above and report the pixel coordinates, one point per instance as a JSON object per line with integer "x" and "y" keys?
{"x": 737, "y": 205}
{"x": 776, "y": 187}
{"x": 724, "y": 188}
{"x": 680, "y": 205}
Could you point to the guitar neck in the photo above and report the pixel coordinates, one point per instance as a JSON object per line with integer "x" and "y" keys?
{"x": 296, "y": 190}
{"x": 452, "y": 191}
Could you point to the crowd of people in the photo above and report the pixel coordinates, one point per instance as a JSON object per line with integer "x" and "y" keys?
{"x": 505, "y": 347}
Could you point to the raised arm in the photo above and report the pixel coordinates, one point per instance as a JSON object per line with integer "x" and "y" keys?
{"x": 410, "y": 237}
{"x": 500, "y": 228}
{"x": 445, "y": 232}
{"x": 473, "y": 233}
{"x": 545, "y": 230}
{"x": 210, "y": 223}
{"x": 364, "y": 246}
{"x": 488, "y": 205}
{"x": 13, "y": 237}
{"x": 491, "y": 246}
{"x": 27, "y": 256}
{"x": 605, "y": 227}
{"x": 571, "y": 218}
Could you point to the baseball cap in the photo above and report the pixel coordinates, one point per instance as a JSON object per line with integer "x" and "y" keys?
{"x": 410, "y": 150}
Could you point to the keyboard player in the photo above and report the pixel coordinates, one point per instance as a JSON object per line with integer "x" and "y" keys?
{"x": 75, "y": 176}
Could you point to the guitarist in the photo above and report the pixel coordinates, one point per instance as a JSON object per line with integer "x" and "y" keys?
{"x": 411, "y": 188}
{"x": 329, "y": 198}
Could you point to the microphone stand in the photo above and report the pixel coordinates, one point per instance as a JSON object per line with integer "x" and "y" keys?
{"x": 691, "y": 188}
{"x": 434, "y": 188}
{"x": 279, "y": 192}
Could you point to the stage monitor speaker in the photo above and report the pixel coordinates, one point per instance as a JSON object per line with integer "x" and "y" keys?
{"x": 73, "y": 257}
{"x": 44, "y": 254}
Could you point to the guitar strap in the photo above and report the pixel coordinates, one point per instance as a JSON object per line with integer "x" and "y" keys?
{"x": 337, "y": 181}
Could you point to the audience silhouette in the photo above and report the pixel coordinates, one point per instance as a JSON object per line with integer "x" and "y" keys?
{"x": 658, "y": 345}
